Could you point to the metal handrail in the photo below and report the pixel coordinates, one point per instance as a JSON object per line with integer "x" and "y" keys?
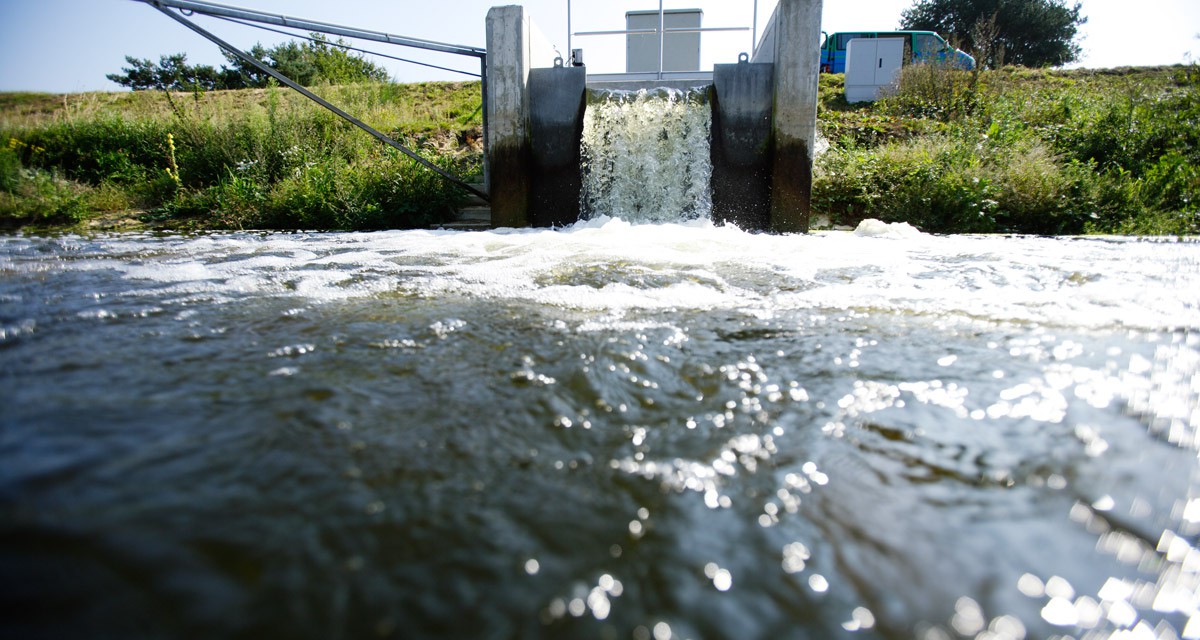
{"x": 248, "y": 59}
{"x": 291, "y": 34}
{"x": 214, "y": 9}
{"x": 664, "y": 30}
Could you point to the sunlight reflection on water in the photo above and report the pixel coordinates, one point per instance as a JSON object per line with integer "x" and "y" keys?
{"x": 679, "y": 430}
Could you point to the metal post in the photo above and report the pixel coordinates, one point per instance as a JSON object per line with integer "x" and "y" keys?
{"x": 483, "y": 92}
{"x": 754, "y": 32}
{"x": 570, "y": 51}
{"x": 662, "y": 38}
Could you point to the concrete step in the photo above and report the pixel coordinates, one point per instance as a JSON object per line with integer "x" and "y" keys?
{"x": 464, "y": 226}
{"x": 474, "y": 215}
{"x": 474, "y": 200}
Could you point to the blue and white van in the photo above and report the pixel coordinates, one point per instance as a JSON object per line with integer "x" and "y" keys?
{"x": 919, "y": 46}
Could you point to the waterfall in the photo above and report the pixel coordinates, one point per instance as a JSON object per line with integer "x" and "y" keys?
{"x": 645, "y": 155}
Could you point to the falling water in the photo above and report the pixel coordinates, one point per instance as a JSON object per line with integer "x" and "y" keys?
{"x": 645, "y": 156}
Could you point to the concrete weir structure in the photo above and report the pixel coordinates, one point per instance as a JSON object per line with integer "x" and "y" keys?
{"x": 763, "y": 112}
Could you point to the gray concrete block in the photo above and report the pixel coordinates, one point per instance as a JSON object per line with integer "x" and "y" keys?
{"x": 743, "y": 100}
{"x": 557, "y": 102}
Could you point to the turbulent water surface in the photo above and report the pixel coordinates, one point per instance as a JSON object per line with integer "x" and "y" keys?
{"x": 610, "y": 431}
{"x": 645, "y": 155}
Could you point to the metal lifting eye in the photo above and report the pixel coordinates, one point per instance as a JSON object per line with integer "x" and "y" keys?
{"x": 743, "y": 57}
{"x": 558, "y": 62}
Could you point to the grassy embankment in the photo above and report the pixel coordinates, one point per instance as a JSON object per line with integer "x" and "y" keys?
{"x": 1014, "y": 150}
{"x": 1018, "y": 150}
{"x": 255, "y": 158}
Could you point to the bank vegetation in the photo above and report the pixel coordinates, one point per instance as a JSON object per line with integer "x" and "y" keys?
{"x": 238, "y": 159}
{"x": 1017, "y": 150}
{"x": 1013, "y": 150}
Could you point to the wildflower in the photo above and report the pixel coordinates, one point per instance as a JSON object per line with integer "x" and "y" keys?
{"x": 14, "y": 144}
{"x": 173, "y": 168}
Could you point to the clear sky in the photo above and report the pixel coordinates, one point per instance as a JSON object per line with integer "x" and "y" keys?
{"x": 69, "y": 45}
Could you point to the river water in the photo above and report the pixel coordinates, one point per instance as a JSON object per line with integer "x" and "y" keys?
{"x": 610, "y": 431}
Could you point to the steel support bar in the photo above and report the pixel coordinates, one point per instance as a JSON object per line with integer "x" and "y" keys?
{"x": 662, "y": 38}
{"x": 623, "y": 32}
{"x": 292, "y": 34}
{"x": 483, "y": 91}
{"x": 214, "y": 9}
{"x": 754, "y": 32}
{"x": 314, "y": 97}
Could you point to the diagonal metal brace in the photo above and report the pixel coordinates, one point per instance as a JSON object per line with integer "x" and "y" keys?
{"x": 284, "y": 80}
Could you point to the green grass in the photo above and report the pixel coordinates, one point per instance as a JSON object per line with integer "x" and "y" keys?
{"x": 259, "y": 158}
{"x": 1013, "y": 150}
{"x": 1017, "y": 150}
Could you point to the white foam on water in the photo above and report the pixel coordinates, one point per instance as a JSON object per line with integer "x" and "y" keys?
{"x": 611, "y": 267}
{"x": 873, "y": 228}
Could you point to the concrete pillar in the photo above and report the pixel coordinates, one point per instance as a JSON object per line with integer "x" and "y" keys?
{"x": 514, "y": 46}
{"x": 797, "y": 59}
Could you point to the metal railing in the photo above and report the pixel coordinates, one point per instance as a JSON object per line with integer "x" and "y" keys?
{"x": 187, "y": 8}
{"x": 662, "y": 32}
{"x": 214, "y": 9}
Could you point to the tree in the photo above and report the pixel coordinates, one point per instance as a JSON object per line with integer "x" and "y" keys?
{"x": 335, "y": 64}
{"x": 172, "y": 73}
{"x": 312, "y": 62}
{"x": 1032, "y": 33}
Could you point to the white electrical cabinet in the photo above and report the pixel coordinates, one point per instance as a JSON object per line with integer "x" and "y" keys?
{"x": 872, "y": 65}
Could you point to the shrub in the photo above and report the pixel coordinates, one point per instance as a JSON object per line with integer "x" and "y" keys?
{"x": 1164, "y": 202}
{"x": 1132, "y": 131}
{"x": 961, "y": 184}
{"x": 10, "y": 167}
{"x": 381, "y": 192}
{"x": 1028, "y": 151}
{"x": 95, "y": 151}
{"x": 406, "y": 196}
{"x": 42, "y": 198}
{"x": 931, "y": 183}
{"x": 393, "y": 193}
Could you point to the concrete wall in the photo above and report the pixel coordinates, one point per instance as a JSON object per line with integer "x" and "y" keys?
{"x": 764, "y": 51}
{"x": 764, "y": 130}
{"x": 797, "y": 38}
{"x": 514, "y": 45}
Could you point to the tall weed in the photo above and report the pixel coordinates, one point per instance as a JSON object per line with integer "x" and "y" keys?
{"x": 274, "y": 162}
{"x": 388, "y": 192}
{"x": 955, "y": 184}
{"x": 1021, "y": 150}
{"x": 42, "y": 198}
{"x": 933, "y": 90}
{"x": 94, "y": 151}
